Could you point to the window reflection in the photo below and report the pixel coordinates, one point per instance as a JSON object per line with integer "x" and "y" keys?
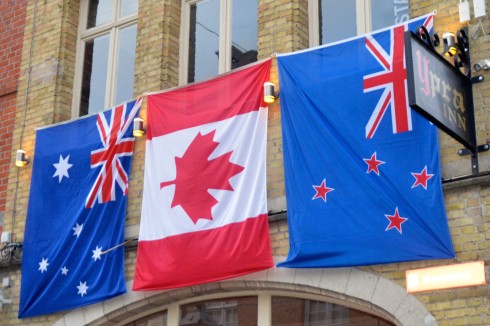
{"x": 125, "y": 67}
{"x": 337, "y": 20}
{"x": 128, "y": 7}
{"x": 94, "y": 75}
{"x": 388, "y": 12}
{"x": 288, "y": 311}
{"x": 157, "y": 319}
{"x": 100, "y": 12}
{"x": 203, "y": 40}
{"x": 225, "y": 312}
{"x": 244, "y": 35}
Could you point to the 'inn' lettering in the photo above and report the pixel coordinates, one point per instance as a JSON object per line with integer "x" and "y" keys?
{"x": 432, "y": 85}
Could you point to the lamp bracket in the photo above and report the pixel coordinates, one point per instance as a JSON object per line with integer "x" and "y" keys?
{"x": 431, "y": 41}
{"x": 479, "y": 149}
{"x": 477, "y": 79}
{"x": 462, "y": 58}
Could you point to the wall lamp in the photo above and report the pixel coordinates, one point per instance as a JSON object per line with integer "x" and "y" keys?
{"x": 138, "y": 127}
{"x": 269, "y": 94}
{"x": 21, "y": 159}
{"x": 458, "y": 47}
{"x": 450, "y": 48}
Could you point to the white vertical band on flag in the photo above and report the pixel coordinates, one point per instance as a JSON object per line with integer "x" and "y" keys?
{"x": 162, "y": 151}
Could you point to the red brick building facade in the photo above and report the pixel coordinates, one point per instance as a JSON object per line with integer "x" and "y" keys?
{"x": 12, "y": 20}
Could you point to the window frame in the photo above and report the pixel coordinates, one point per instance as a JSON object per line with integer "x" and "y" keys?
{"x": 363, "y": 19}
{"x": 225, "y": 44}
{"x": 326, "y": 313}
{"x": 264, "y": 306}
{"x": 112, "y": 29}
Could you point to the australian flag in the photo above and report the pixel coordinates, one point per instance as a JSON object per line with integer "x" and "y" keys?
{"x": 76, "y": 212}
{"x": 363, "y": 182}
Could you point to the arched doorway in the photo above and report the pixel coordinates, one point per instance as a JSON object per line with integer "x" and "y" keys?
{"x": 348, "y": 288}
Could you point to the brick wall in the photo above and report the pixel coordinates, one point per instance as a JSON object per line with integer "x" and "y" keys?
{"x": 12, "y": 16}
{"x": 44, "y": 96}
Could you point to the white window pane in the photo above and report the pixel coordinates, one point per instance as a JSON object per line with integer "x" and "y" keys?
{"x": 128, "y": 7}
{"x": 125, "y": 68}
{"x": 94, "y": 75}
{"x": 100, "y": 12}
{"x": 389, "y": 12}
{"x": 337, "y": 20}
{"x": 244, "y": 37}
{"x": 203, "y": 40}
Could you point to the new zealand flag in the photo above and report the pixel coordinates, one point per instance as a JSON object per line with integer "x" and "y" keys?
{"x": 363, "y": 183}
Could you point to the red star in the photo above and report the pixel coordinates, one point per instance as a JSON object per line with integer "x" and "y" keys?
{"x": 396, "y": 221}
{"x": 373, "y": 164}
{"x": 322, "y": 191}
{"x": 421, "y": 178}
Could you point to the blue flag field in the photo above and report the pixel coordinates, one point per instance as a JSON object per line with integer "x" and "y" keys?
{"x": 362, "y": 170}
{"x": 76, "y": 211}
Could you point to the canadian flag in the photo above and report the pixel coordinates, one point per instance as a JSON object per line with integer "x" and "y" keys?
{"x": 204, "y": 211}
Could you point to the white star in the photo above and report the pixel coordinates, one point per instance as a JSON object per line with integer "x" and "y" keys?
{"x": 82, "y": 288}
{"x": 77, "y": 229}
{"x": 64, "y": 270}
{"x": 62, "y": 168}
{"x": 43, "y": 265}
{"x": 97, "y": 253}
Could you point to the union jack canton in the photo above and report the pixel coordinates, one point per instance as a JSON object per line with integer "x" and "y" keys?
{"x": 393, "y": 79}
{"x": 115, "y": 145}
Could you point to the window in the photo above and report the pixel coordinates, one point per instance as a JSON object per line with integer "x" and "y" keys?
{"x": 226, "y": 312}
{"x": 157, "y": 319}
{"x": 106, "y": 56}
{"x": 274, "y": 310}
{"x": 324, "y": 313}
{"x": 303, "y": 312}
{"x": 217, "y": 36}
{"x": 333, "y": 20}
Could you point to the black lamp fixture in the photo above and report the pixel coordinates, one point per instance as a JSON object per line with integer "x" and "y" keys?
{"x": 456, "y": 46}
{"x": 462, "y": 55}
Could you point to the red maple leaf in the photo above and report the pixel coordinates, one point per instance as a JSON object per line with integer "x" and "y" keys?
{"x": 196, "y": 174}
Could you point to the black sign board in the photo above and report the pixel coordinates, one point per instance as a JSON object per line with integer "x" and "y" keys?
{"x": 439, "y": 91}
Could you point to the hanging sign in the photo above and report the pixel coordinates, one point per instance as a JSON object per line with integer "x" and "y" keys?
{"x": 439, "y": 91}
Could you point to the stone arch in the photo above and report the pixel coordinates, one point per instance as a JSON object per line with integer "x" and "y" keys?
{"x": 347, "y": 286}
